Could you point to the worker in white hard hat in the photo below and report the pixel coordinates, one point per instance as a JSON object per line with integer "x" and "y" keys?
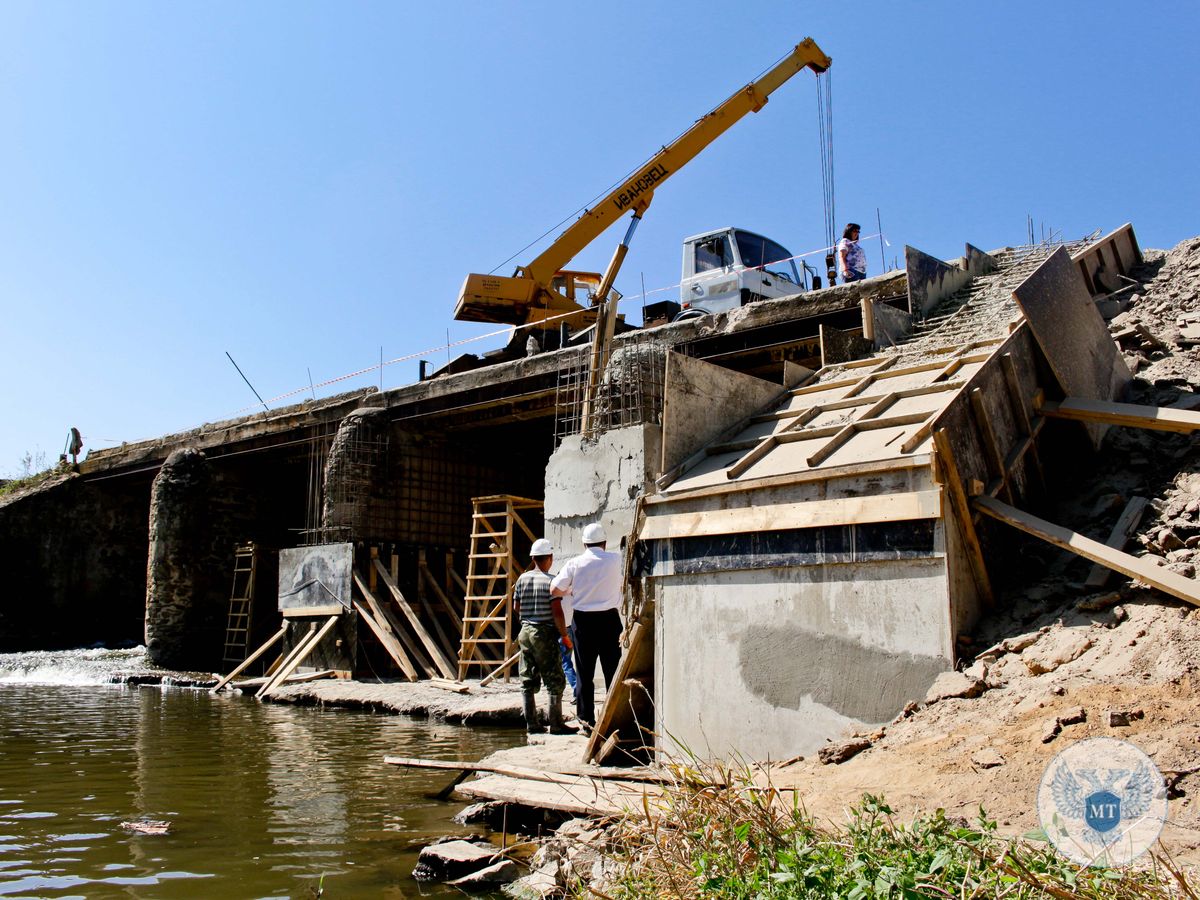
{"x": 542, "y": 626}
{"x": 593, "y": 582}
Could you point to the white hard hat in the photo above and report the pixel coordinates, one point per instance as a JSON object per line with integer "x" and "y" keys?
{"x": 594, "y": 534}
{"x": 541, "y": 547}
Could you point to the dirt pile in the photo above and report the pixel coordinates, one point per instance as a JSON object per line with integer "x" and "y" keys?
{"x": 1062, "y": 661}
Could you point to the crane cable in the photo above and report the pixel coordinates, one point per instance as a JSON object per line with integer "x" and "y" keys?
{"x": 825, "y": 132}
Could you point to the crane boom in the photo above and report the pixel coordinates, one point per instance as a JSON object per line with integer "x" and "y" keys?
{"x": 529, "y": 297}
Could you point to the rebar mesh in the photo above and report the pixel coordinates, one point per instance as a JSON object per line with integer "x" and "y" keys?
{"x": 629, "y": 389}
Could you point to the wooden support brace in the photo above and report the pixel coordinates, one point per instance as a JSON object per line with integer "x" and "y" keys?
{"x": 962, "y": 509}
{"x": 271, "y": 642}
{"x": 303, "y": 649}
{"x": 1135, "y": 567}
{"x": 1132, "y": 415}
{"x": 390, "y": 627}
{"x": 1126, "y": 525}
{"x": 390, "y": 644}
{"x": 431, "y": 646}
{"x": 502, "y": 667}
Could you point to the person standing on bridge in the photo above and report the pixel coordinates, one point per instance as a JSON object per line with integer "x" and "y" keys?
{"x": 542, "y": 626}
{"x": 593, "y": 582}
{"x": 852, "y": 259}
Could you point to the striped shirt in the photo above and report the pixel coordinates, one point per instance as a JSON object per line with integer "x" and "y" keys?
{"x": 533, "y": 593}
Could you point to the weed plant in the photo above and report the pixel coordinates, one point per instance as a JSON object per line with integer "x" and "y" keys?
{"x": 715, "y": 833}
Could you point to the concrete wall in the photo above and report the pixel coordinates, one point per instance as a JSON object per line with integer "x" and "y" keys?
{"x": 599, "y": 481}
{"x": 73, "y": 554}
{"x": 773, "y": 662}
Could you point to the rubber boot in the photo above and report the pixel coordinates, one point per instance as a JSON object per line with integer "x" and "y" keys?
{"x": 557, "y": 725}
{"x": 532, "y": 725}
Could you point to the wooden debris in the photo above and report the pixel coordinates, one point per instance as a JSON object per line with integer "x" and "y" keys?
{"x": 147, "y": 826}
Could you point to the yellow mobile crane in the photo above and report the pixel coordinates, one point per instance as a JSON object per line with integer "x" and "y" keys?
{"x": 543, "y": 290}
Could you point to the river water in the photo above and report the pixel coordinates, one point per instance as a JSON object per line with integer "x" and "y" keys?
{"x": 264, "y": 800}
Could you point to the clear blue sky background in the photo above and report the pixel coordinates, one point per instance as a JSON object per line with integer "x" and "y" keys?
{"x": 302, "y": 183}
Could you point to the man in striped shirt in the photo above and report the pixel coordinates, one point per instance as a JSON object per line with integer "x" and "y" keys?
{"x": 542, "y": 623}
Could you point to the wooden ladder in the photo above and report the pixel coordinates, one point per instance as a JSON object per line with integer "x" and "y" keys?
{"x": 241, "y": 602}
{"x": 492, "y": 569}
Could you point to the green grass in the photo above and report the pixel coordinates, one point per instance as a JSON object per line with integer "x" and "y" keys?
{"x": 741, "y": 841}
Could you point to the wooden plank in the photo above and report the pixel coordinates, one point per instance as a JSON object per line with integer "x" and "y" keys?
{"x": 962, "y": 510}
{"x": 583, "y": 796}
{"x": 387, "y": 620}
{"x": 807, "y": 514}
{"x": 271, "y": 642}
{"x": 307, "y": 647}
{"x": 296, "y": 612}
{"x": 618, "y": 710}
{"x": 1121, "y": 532}
{"x": 390, "y": 644}
{"x": 431, "y": 646}
{"x": 291, "y": 679}
{"x": 1133, "y": 415}
{"x": 1135, "y": 567}
{"x": 445, "y": 684}
{"x": 846, "y": 470}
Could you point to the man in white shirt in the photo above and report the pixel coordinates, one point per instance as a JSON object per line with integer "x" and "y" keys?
{"x": 593, "y": 581}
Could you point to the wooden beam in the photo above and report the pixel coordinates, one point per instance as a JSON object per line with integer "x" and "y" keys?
{"x": 560, "y": 774}
{"x": 297, "y": 612}
{"x": 271, "y": 642}
{"x": 991, "y": 446}
{"x": 305, "y": 648}
{"x": 431, "y": 646}
{"x": 962, "y": 509}
{"x": 1133, "y": 415}
{"x": 1135, "y": 567}
{"x": 1126, "y": 525}
{"x": 388, "y": 621}
{"x": 808, "y": 514}
{"x": 390, "y": 644}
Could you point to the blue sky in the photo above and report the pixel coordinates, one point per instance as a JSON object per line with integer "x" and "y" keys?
{"x": 301, "y": 184}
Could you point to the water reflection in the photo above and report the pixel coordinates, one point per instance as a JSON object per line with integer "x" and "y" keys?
{"x": 264, "y": 800}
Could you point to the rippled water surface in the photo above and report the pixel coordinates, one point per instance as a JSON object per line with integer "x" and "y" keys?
{"x": 264, "y": 800}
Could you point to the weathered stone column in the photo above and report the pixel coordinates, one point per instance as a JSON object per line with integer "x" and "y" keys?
{"x": 179, "y": 539}
{"x": 352, "y": 472}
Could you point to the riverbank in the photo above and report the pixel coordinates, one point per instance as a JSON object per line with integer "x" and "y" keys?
{"x": 494, "y": 704}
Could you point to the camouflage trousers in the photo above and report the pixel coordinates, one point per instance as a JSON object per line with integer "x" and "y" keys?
{"x": 540, "y": 659}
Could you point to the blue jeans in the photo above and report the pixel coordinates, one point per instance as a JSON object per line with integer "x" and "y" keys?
{"x": 853, "y": 276}
{"x": 567, "y": 666}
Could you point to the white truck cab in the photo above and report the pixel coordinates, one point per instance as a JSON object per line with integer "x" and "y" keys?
{"x": 730, "y": 267}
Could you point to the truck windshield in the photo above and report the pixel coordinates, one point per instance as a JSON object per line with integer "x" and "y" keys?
{"x": 760, "y": 253}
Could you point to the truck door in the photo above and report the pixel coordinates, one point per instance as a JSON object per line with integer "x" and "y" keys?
{"x": 710, "y": 280}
